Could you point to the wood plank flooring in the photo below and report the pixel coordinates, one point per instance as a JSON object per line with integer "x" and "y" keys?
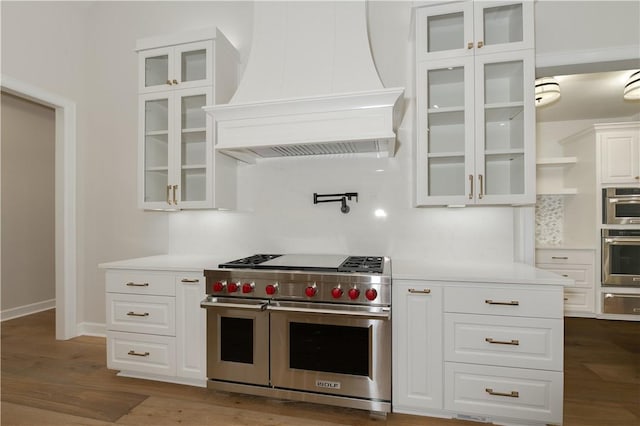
{"x": 49, "y": 382}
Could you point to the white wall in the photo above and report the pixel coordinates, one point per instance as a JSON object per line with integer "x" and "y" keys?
{"x": 84, "y": 52}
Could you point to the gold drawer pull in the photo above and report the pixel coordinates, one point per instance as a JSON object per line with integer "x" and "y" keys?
{"x": 512, "y": 394}
{"x": 133, "y": 314}
{"x": 513, "y": 342}
{"x": 134, "y": 353}
{"x": 560, "y": 257}
{"x": 510, "y": 303}
{"x": 423, "y": 291}
{"x": 131, "y": 284}
{"x": 565, "y": 275}
{"x": 188, "y": 280}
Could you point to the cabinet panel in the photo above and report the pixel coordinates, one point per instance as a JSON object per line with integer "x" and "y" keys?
{"x": 545, "y": 303}
{"x": 620, "y": 157}
{"x": 141, "y": 313}
{"x": 138, "y": 282}
{"x": 504, "y": 392}
{"x": 190, "y": 327}
{"x": 143, "y": 353}
{"x": 508, "y": 342}
{"x": 564, "y": 256}
{"x": 417, "y": 348}
{"x": 579, "y": 300}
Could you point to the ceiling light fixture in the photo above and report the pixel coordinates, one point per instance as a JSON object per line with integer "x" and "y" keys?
{"x": 547, "y": 91}
{"x": 632, "y": 88}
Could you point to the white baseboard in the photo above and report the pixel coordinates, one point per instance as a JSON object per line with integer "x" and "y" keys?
{"x": 92, "y": 329}
{"x": 32, "y": 308}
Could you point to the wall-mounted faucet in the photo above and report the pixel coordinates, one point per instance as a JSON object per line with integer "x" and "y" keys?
{"x": 336, "y": 198}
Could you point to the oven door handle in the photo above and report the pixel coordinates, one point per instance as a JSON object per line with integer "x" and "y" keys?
{"x": 384, "y": 313}
{"x": 629, "y": 199}
{"x": 617, "y": 241}
{"x": 208, "y": 304}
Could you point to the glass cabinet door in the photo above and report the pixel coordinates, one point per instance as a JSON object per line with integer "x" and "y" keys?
{"x": 446, "y": 150}
{"x": 193, "y": 65}
{"x": 193, "y": 155}
{"x": 156, "y": 70}
{"x": 504, "y": 93}
{"x": 503, "y": 25}
{"x": 156, "y": 111}
{"x": 444, "y": 31}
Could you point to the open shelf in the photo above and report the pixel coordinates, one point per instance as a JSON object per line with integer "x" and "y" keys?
{"x": 556, "y": 161}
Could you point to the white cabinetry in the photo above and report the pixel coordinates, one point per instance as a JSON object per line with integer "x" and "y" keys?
{"x": 620, "y": 154}
{"x": 178, "y": 166}
{"x": 577, "y": 264}
{"x": 417, "y": 346}
{"x": 155, "y": 326}
{"x": 475, "y": 109}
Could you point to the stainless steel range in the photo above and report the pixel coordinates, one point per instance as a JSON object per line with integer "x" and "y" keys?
{"x": 314, "y": 328}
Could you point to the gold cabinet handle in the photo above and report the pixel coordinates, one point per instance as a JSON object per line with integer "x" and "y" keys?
{"x": 566, "y": 299}
{"x": 470, "y": 45}
{"x": 423, "y": 291}
{"x": 169, "y": 82}
{"x": 133, "y": 314}
{"x": 637, "y": 178}
{"x": 481, "y": 190}
{"x": 512, "y": 394}
{"x": 471, "y": 187}
{"x": 480, "y": 44}
{"x": 132, "y": 284}
{"x": 565, "y": 275}
{"x": 513, "y": 342}
{"x": 175, "y": 200}
{"x": 175, "y": 81}
{"x": 510, "y": 303}
{"x": 134, "y": 353}
{"x": 190, "y": 280}
{"x": 560, "y": 257}
{"x": 169, "y": 194}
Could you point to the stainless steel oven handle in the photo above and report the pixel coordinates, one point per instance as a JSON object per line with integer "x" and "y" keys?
{"x": 632, "y": 241}
{"x": 256, "y": 307}
{"x": 630, "y": 199}
{"x": 384, "y": 314}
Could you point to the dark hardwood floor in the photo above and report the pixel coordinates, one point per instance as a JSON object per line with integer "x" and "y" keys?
{"x": 49, "y": 382}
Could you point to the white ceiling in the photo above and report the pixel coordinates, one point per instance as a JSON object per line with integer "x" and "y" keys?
{"x": 590, "y": 96}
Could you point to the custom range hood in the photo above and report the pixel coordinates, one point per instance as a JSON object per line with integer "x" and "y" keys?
{"x": 310, "y": 87}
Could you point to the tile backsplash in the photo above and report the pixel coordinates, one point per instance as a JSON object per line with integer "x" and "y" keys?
{"x": 549, "y": 219}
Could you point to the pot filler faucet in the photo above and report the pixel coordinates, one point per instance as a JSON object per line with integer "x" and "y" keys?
{"x": 336, "y": 198}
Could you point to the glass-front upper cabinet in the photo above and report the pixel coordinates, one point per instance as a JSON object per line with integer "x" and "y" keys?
{"x": 177, "y": 67}
{"x": 176, "y": 149}
{"x": 472, "y": 28}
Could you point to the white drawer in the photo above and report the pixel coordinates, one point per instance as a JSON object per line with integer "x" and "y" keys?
{"x": 504, "y": 341}
{"x": 542, "y": 303}
{"x": 142, "y": 353}
{"x": 534, "y": 395}
{"x": 581, "y": 274}
{"x": 579, "y": 300}
{"x": 140, "y": 283}
{"x": 141, "y": 314}
{"x": 561, "y": 256}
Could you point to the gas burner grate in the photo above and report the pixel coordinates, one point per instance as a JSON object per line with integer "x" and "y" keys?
{"x": 249, "y": 262}
{"x": 372, "y": 264}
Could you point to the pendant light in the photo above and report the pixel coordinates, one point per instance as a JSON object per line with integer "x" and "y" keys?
{"x": 547, "y": 91}
{"x": 632, "y": 88}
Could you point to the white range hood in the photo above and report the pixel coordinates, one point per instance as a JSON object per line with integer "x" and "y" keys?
{"x": 310, "y": 87}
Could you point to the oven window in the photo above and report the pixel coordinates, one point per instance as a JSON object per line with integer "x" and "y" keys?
{"x": 236, "y": 339}
{"x": 625, "y": 259}
{"x": 627, "y": 210}
{"x": 329, "y": 348}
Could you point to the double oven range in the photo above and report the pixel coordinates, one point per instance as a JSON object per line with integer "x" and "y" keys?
{"x": 313, "y": 328}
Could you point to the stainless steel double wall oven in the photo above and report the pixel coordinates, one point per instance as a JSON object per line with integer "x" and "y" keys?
{"x": 306, "y": 327}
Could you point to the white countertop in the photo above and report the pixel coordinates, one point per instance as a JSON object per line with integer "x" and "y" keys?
{"x": 407, "y": 269}
{"x": 505, "y": 273}
{"x": 168, "y": 262}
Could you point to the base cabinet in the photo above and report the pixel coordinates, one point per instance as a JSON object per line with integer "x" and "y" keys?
{"x": 155, "y": 326}
{"x": 489, "y": 352}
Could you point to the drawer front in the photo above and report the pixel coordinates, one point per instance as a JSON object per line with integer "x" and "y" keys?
{"x": 579, "y": 300}
{"x": 502, "y": 341}
{"x": 534, "y": 395}
{"x": 141, "y": 353}
{"x": 581, "y": 274}
{"x": 140, "y": 282}
{"x": 562, "y": 256}
{"x": 141, "y": 314}
{"x": 543, "y": 303}
{"x": 620, "y": 303}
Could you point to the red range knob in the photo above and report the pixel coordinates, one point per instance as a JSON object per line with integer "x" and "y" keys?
{"x": 247, "y": 288}
{"x": 336, "y": 292}
{"x": 371, "y": 294}
{"x": 271, "y": 289}
{"x": 232, "y": 287}
{"x": 218, "y": 286}
{"x": 310, "y": 291}
{"x": 354, "y": 293}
